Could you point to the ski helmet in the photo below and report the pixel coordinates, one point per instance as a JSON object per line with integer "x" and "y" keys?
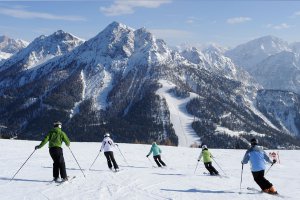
{"x": 204, "y": 147}
{"x": 106, "y": 135}
{"x": 254, "y": 141}
{"x": 57, "y": 123}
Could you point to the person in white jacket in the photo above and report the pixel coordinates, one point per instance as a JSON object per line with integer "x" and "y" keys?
{"x": 107, "y": 146}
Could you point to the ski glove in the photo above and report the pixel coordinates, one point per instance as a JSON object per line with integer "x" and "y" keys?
{"x": 37, "y": 147}
{"x": 147, "y": 156}
{"x": 274, "y": 161}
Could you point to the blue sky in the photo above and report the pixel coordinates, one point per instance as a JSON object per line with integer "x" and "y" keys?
{"x": 227, "y": 23}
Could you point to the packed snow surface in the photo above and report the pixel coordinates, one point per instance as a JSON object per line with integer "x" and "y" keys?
{"x": 180, "y": 118}
{"x": 139, "y": 180}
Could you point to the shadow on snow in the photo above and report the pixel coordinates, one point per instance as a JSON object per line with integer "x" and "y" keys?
{"x": 201, "y": 191}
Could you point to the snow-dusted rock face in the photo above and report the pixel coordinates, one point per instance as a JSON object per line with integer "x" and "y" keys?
{"x": 272, "y": 62}
{"x": 22, "y": 66}
{"x": 280, "y": 71}
{"x": 282, "y": 108}
{"x": 251, "y": 53}
{"x": 9, "y": 47}
{"x": 295, "y": 47}
{"x": 111, "y": 83}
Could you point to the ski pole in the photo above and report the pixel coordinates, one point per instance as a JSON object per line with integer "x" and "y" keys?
{"x": 219, "y": 166}
{"x": 196, "y": 167}
{"x": 77, "y": 162}
{"x": 241, "y": 177}
{"x": 269, "y": 169}
{"x": 95, "y": 160}
{"x": 150, "y": 162}
{"x": 22, "y": 166}
{"x": 122, "y": 155}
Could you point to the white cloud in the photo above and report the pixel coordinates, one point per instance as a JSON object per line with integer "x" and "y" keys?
{"x": 24, "y": 14}
{"x": 296, "y": 14}
{"x": 123, "y": 7}
{"x": 192, "y": 20}
{"x": 279, "y": 26}
{"x": 238, "y": 20}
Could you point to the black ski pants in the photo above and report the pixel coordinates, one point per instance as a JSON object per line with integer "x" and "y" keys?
{"x": 210, "y": 168}
{"x": 59, "y": 166}
{"x": 111, "y": 159}
{"x": 261, "y": 180}
{"x": 158, "y": 161}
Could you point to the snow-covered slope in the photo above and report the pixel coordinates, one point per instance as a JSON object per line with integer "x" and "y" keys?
{"x": 279, "y": 72}
{"x": 9, "y": 47}
{"x": 180, "y": 118}
{"x": 282, "y": 108}
{"x": 138, "y": 180}
{"x": 249, "y": 54}
{"x": 112, "y": 80}
{"x": 41, "y": 50}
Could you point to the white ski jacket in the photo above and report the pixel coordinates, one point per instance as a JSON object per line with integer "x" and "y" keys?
{"x": 107, "y": 144}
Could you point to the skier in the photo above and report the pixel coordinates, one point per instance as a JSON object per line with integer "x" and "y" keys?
{"x": 207, "y": 160}
{"x": 257, "y": 157}
{"x": 156, "y": 154}
{"x": 106, "y": 146}
{"x": 55, "y": 137}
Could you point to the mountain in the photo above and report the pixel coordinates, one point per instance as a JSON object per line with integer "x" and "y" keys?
{"x": 282, "y": 108}
{"x": 273, "y": 63}
{"x": 279, "y": 72}
{"x": 295, "y": 47}
{"x": 9, "y": 46}
{"x": 34, "y": 55}
{"x": 133, "y": 85}
{"x": 253, "y": 52}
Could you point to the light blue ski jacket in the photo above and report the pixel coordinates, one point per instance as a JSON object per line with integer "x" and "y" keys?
{"x": 257, "y": 157}
{"x": 155, "y": 149}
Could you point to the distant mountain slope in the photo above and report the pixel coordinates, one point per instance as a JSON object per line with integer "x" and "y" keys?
{"x": 9, "y": 47}
{"x": 253, "y": 52}
{"x": 112, "y": 82}
{"x": 282, "y": 107}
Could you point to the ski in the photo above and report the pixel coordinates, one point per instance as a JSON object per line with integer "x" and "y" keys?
{"x": 116, "y": 171}
{"x": 261, "y": 192}
{"x": 220, "y": 176}
{"x": 65, "y": 182}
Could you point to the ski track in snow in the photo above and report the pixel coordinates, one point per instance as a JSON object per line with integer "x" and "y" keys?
{"x": 181, "y": 120}
{"x": 139, "y": 180}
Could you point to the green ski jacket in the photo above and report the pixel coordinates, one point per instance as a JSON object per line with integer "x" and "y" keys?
{"x": 55, "y": 137}
{"x": 206, "y": 156}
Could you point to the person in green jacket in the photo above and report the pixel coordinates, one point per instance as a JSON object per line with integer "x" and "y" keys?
{"x": 156, "y": 154}
{"x": 207, "y": 160}
{"x": 55, "y": 137}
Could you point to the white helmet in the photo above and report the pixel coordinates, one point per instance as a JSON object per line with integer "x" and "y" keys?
{"x": 204, "y": 147}
{"x": 107, "y": 135}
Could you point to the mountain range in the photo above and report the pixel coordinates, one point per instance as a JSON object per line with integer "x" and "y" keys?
{"x": 113, "y": 83}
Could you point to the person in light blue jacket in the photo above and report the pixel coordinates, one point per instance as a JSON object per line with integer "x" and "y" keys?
{"x": 258, "y": 158}
{"x": 156, "y": 154}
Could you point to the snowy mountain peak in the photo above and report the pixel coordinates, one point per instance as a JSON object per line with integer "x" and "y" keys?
{"x": 214, "y": 48}
{"x": 115, "y": 28}
{"x": 42, "y": 49}
{"x": 11, "y": 46}
{"x": 249, "y": 54}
